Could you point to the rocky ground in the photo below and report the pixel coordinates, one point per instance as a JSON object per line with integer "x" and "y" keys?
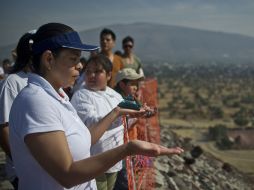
{"x": 195, "y": 169}
{"x": 4, "y": 184}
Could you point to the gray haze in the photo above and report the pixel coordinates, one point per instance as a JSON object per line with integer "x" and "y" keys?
{"x": 174, "y": 44}
{"x": 233, "y": 16}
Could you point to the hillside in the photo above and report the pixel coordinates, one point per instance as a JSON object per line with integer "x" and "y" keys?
{"x": 196, "y": 169}
{"x": 168, "y": 43}
{"x": 155, "y": 42}
{"x": 193, "y": 100}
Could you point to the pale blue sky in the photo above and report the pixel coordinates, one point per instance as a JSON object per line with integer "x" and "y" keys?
{"x": 19, "y": 16}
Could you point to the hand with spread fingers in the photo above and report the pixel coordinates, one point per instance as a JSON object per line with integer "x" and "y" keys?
{"x": 150, "y": 149}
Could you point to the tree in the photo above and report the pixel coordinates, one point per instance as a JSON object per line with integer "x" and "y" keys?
{"x": 217, "y": 132}
{"x": 241, "y": 120}
{"x": 216, "y": 112}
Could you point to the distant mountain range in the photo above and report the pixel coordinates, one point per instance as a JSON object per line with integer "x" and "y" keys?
{"x": 168, "y": 43}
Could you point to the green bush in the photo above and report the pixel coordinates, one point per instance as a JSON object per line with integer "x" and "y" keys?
{"x": 224, "y": 143}
{"x": 216, "y": 112}
{"x": 217, "y": 132}
{"x": 241, "y": 121}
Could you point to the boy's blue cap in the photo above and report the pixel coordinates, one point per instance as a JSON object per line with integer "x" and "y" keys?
{"x": 69, "y": 40}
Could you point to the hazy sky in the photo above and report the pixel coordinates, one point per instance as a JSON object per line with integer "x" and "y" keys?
{"x": 19, "y": 16}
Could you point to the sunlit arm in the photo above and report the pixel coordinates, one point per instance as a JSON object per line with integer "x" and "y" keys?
{"x": 52, "y": 153}
{"x": 98, "y": 129}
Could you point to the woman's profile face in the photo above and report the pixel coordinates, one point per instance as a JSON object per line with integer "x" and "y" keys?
{"x": 65, "y": 68}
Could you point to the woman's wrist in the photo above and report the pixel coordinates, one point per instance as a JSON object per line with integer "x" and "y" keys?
{"x": 130, "y": 148}
{"x": 117, "y": 112}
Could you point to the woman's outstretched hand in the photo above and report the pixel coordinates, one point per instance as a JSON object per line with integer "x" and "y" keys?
{"x": 137, "y": 147}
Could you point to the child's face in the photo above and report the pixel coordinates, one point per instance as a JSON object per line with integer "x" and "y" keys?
{"x": 96, "y": 77}
{"x": 130, "y": 88}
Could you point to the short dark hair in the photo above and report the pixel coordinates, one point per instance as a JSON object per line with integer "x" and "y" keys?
{"x": 102, "y": 60}
{"x": 107, "y": 31}
{"x": 6, "y": 61}
{"x": 118, "y": 52}
{"x": 128, "y": 39}
{"x": 118, "y": 89}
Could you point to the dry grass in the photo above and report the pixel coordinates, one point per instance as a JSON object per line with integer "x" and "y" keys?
{"x": 174, "y": 122}
{"x": 241, "y": 159}
{"x": 196, "y": 126}
{"x": 195, "y": 134}
{"x": 193, "y": 123}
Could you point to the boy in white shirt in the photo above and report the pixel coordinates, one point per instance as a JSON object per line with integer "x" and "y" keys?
{"x": 92, "y": 103}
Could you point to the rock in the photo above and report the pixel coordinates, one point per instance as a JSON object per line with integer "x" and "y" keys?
{"x": 227, "y": 167}
{"x": 171, "y": 174}
{"x": 4, "y": 184}
{"x": 197, "y": 169}
{"x": 178, "y": 159}
{"x": 179, "y": 182}
{"x": 162, "y": 167}
{"x": 171, "y": 183}
{"x": 188, "y": 160}
{"x": 196, "y": 151}
{"x": 159, "y": 180}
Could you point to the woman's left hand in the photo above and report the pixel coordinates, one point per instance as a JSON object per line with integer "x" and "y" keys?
{"x": 137, "y": 147}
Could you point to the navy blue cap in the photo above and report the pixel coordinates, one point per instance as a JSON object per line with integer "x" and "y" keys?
{"x": 67, "y": 40}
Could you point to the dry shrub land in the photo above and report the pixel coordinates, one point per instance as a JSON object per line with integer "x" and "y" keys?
{"x": 213, "y": 104}
{"x": 208, "y": 110}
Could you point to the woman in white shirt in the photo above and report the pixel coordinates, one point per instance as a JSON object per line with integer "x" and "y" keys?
{"x": 50, "y": 145}
{"x": 9, "y": 89}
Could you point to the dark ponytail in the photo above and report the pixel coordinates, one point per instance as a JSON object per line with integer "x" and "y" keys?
{"x": 23, "y": 51}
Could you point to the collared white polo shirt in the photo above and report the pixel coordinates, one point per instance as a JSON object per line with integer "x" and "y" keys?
{"x": 39, "y": 108}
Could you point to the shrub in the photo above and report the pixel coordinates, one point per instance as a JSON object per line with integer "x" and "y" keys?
{"x": 216, "y": 112}
{"x": 224, "y": 143}
{"x": 217, "y": 132}
{"x": 241, "y": 121}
